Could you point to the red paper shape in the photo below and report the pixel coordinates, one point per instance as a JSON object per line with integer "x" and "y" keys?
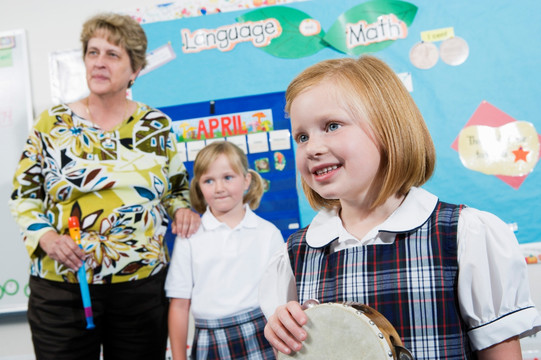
{"x": 489, "y": 115}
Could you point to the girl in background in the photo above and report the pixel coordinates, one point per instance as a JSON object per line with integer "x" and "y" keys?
{"x": 216, "y": 272}
{"x": 450, "y": 279}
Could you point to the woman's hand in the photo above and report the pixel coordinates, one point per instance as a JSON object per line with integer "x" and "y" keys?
{"x": 63, "y": 249}
{"x": 185, "y": 223}
{"x": 284, "y": 328}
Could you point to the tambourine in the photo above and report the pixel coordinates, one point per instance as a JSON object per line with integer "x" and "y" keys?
{"x": 348, "y": 330}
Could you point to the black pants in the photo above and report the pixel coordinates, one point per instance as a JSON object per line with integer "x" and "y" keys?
{"x": 130, "y": 319}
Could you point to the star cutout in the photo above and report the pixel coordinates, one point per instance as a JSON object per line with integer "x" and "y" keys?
{"x": 520, "y": 154}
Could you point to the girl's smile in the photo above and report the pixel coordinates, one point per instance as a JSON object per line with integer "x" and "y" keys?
{"x": 323, "y": 172}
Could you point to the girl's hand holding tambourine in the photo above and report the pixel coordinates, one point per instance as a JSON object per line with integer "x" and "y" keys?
{"x": 284, "y": 328}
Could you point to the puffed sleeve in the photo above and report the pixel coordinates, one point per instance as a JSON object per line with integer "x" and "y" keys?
{"x": 27, "y": 202}
{"x": 493, "y": 288}
{"x": 277, "y": 285}
{"x": 178, "y": 195}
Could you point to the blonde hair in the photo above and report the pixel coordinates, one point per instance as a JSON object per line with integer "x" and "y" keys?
{"x": 120, "y": 30}
{"x": 369, "y": 89}
{"x": 239, "y": 163}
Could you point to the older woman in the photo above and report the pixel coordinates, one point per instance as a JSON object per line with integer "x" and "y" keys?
{"x": 111, "y": 162}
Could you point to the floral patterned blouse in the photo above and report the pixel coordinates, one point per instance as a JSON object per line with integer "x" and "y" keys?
{"x": 119, "y": 183}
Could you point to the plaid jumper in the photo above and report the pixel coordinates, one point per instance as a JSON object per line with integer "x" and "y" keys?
{"x": 412, "y": 282}
{"x": 237, "y": 337}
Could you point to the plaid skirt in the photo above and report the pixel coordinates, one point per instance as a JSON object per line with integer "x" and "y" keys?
{"x": 236, "y": 337}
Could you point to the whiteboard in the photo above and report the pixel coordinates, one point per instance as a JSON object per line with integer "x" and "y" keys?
{"x": 15, "y": 121}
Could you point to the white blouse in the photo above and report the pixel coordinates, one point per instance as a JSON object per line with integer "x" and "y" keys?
{"x": 493, "y": 288}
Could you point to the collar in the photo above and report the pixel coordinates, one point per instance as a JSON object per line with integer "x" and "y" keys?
{"x": 414, "y": 211}
{"x": 210, "y": 222}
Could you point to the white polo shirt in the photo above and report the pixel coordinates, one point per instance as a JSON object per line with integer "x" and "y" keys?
{"x": 220, "y": 268}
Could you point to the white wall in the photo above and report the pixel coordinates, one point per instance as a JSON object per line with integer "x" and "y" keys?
{"x": 53, "y": 25}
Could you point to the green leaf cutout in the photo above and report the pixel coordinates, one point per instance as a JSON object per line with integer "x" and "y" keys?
{"x": 291, "y": 44}
{"x": 369, "y": 12}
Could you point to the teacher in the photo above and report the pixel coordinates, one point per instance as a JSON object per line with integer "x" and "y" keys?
{"x": 113, "y": 164}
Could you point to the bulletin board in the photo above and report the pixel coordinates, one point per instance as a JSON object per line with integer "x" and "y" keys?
{"x": 15, "y": 119}
{"x": 257, "y": 124}
{"x": 469, "y": 64}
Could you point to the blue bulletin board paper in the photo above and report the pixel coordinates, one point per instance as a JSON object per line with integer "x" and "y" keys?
{"x": 501, "y": 69}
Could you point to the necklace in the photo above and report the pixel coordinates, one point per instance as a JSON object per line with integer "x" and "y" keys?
{"x": 108, "y": 142}
{"x": 90, "y": 114}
